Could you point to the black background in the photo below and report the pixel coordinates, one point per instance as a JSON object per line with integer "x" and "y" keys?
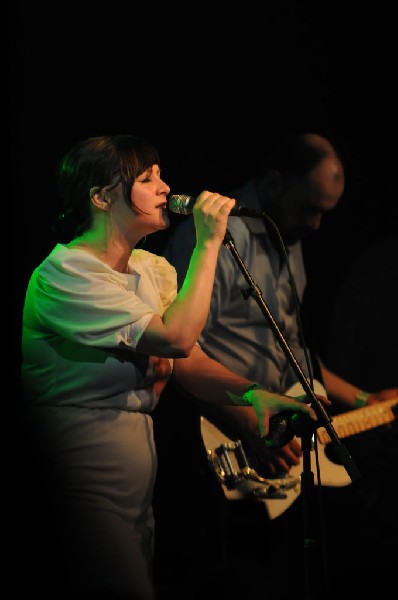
{"x": 210, "y": 90}
{"x": 210, "y": 85}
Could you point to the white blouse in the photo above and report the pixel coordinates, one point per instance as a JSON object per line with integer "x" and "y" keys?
{"x": 81, "y": 324}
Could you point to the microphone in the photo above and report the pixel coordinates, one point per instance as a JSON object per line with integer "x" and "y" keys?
{"x": 183, "y": 205}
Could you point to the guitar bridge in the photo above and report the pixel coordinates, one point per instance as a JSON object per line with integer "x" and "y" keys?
{"x": 233, "y": 470}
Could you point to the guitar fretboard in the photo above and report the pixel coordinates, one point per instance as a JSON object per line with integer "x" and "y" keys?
{"x": 360, "y": 419}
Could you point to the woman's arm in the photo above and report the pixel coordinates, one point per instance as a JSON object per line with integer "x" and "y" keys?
{"x": 175, "y": 332}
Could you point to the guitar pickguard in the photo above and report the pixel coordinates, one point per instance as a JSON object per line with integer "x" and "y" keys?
{"x": 239, "y": 480}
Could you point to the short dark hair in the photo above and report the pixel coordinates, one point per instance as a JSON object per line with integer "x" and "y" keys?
{"x": 102, "y": 161}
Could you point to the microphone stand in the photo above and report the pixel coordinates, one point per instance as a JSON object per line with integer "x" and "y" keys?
{"x": 302, "y": 426}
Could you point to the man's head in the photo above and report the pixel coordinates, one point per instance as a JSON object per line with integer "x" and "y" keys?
{"x": 303, "y": 179}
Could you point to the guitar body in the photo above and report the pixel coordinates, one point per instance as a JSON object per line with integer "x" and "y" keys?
{"x": 239, "y": 480}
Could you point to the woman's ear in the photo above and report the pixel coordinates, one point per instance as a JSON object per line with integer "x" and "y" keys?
{"x": 94, "y": 190}
{"x": 99, "y": 198}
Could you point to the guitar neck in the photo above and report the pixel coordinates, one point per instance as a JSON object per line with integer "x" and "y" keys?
{"x": 360, "y": 419}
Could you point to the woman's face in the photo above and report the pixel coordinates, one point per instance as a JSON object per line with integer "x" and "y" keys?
{"x": 149, "y": 201}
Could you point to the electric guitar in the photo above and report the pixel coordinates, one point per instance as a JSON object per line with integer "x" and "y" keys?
{"x": 239, "y": 480}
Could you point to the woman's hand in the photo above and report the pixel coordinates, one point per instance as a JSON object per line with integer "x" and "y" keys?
{"x": 161, "y": 373}
{"x": 210, "y": 214}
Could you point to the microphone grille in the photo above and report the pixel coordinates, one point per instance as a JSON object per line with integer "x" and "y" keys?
{"x": 179, "y": 204}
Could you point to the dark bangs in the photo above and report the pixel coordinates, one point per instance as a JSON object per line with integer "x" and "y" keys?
{"x": 136, "y": 156}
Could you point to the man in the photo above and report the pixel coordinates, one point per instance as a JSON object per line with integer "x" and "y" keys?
{"x": 301, "y": 180}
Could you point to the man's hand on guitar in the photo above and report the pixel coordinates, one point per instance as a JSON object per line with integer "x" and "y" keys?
{"x": 382, "y": 395}
{"x": 269, "y": 404}
{"x": 273, "y": 462}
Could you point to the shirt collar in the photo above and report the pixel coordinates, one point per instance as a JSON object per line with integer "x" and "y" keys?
{"x": 247, "y": 196}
